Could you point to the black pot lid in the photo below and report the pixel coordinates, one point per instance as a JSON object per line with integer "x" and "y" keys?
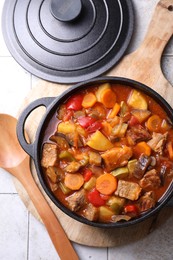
{"x": 67, "y": 41}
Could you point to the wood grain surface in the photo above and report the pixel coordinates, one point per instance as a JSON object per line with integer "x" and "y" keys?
{"x": 142, "y": 65}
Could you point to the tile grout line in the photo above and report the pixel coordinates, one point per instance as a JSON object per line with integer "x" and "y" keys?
{"x": 8, "y": 193}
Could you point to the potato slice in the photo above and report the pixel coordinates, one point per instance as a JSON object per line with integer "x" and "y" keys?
{"x": 99, "y": 142}
{"x": 141, "y": 114}
{"x": 101, "y": 89}
{"x": 136, "y": 100}
{"x": 105, "y": 213}
{"x": 66, "y": 127}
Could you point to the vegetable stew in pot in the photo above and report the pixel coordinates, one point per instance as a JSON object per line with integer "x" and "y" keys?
{"x": 107, "y": 153}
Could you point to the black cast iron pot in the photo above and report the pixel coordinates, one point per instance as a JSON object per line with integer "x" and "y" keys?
{"x": 51, "y": 104}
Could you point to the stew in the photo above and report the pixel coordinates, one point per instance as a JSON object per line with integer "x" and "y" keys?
{"x": 107, "y": 153}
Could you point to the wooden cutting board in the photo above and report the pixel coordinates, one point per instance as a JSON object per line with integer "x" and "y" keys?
{"x": 143, "y": 65}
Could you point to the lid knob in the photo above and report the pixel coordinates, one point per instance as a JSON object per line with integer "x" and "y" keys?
{"x": 65, "y": 10}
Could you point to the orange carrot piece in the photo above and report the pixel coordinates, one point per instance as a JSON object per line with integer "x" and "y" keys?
{"x": 89, "y": 100}
{"x": 106, "y": 184}
{"x": 170, "y": 150}
{"x": 154, "y": 123}
{"x": 115, "y": 110}
{"x": 73, "y": 181}
{"x": 108, "y": 98}
{"x": 106, "y": 128}
{"x": 142, "y": 147}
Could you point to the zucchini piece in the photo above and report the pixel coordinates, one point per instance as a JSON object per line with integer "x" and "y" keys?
{"x": 116, "y": 204}
{"x": 90, "y": 184}
{"x": 124, "y": 109}
{"x": 132, "y": 164}
{"x": 64, "y": 188}
{"x": 72, "y": 167}
{"x": 66, "y": 155}
{"x": 95, "y": 158}
{"x": 84, "y": 160}
{"x": 119, "y": 130}
{"x": 120, "y": 173}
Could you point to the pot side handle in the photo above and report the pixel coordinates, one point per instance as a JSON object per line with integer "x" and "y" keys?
{"x": 29, "y": 147}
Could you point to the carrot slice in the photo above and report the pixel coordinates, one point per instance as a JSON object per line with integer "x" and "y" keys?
{"x": 142, "y": 147}
{"x": 106, "y": 184}
{"x": 73, "y": 181}
{"x": 89, "y": 100}
{"x": 115, "y": 110}
{"x": 108, "y": 98}
{"x": 154, "y": 123}
{"x": 106, "y": 128}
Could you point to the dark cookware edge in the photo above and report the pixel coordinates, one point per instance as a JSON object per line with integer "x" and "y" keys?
{"x": 36, "y": 151}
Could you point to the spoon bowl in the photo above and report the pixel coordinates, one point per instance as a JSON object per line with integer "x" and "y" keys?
{"x": 17, "y": 162}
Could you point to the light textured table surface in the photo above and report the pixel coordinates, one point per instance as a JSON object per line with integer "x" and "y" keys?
{"x": 22, "y": 237}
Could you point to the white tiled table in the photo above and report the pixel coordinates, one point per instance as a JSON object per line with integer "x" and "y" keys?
{"x": 22, "y": 237}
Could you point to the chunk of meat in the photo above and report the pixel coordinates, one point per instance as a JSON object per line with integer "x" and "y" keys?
{"x": 95, "y": 158}
{"x": 141, "y": 166}
{"x": 137, "y": 134}
{"x": 151, "y": 180}
{"x": 117, "y": 157}
{"x": 128, "y": 190}
{"x": 157, "y": 142}
{"x": 77, "y": 200}
{"x": 49, "y": 155}
{"x": 91, "y": 212}
{"x": 147, "y": 201}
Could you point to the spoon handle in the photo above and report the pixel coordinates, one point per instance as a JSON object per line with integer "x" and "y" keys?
{"x": 53, "y": 226}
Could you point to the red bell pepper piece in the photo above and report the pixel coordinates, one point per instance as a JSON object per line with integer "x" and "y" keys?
{"x": 94, "y": 127}
{"x": 86, "y": 121}
{"x": 131, "y": 210}
{"x": 87, "y": 174}
{"x": 75, "y": 102}
{"x": 95, "y": 198}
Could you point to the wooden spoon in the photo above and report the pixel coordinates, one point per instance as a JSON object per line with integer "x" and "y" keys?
{"x": 14, "y": 160}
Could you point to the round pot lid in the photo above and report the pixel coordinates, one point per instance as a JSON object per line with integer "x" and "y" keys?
{"x": 67, "y": 41}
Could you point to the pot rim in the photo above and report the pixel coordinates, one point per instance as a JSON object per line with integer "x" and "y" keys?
{"x": 49, "y": 113}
